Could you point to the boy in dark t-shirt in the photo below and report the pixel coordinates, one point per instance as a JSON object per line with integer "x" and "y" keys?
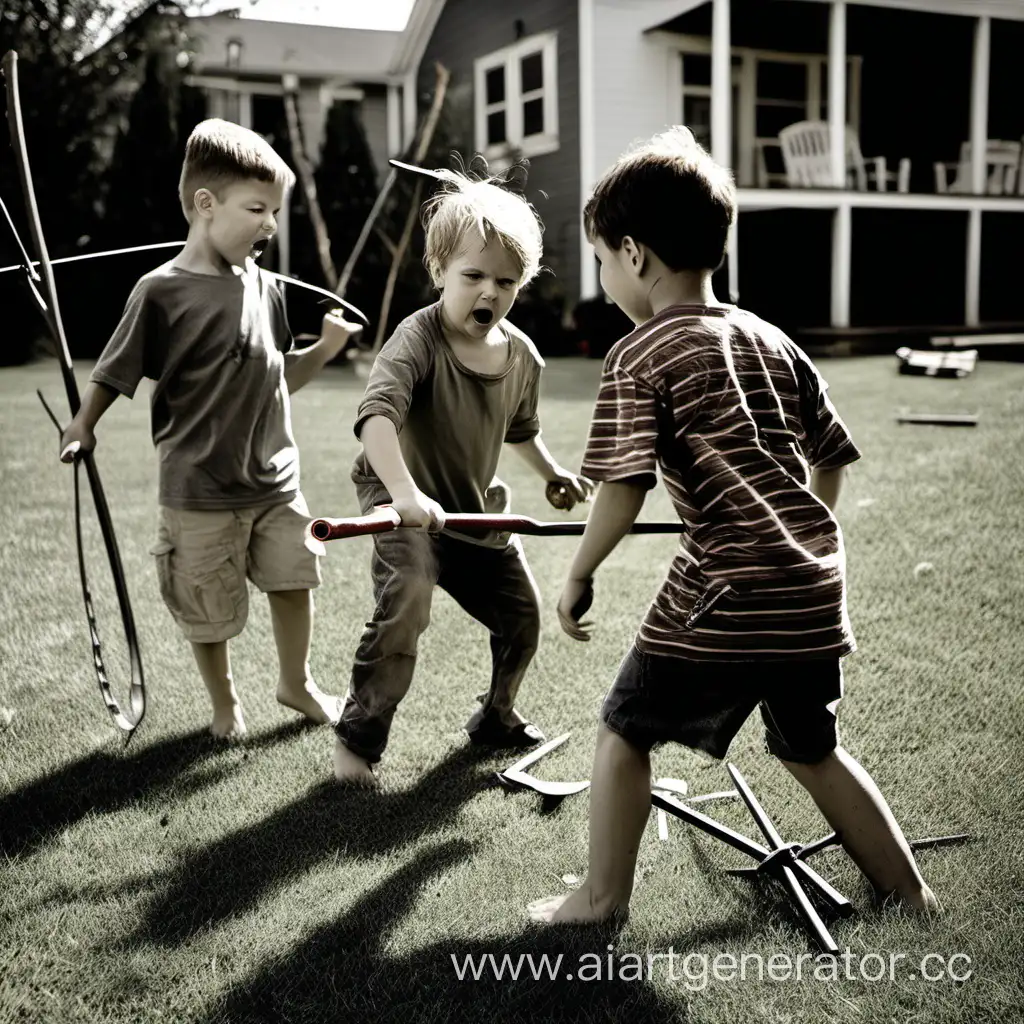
{"x": 453, "y": 384}
{"x": 209, "y": 328}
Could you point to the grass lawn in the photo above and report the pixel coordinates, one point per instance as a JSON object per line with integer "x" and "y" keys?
{"x": 183, "y": 880}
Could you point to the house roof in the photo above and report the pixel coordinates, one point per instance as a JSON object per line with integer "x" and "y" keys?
{"x": 272, "y": 48}
{"x": 316, "y": 51}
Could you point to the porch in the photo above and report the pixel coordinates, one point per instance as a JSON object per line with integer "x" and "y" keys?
{"x": 742, "y": 74}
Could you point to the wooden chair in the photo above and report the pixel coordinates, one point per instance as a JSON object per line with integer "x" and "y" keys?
{"x": 1002, "y": 170}
{"x": 806, "y": 151}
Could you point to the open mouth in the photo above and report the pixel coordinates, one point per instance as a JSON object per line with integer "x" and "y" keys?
{"x": 257, "y": 248}
{"x": 483, "y": 316}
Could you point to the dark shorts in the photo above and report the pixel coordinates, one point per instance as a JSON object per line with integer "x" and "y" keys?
{"x": 702, "y": 704}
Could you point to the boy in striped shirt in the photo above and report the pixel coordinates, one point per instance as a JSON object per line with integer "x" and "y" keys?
{"x": 752, "y": 452}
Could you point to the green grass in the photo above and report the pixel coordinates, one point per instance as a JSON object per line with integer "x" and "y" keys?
{"x": 182, "y": 880}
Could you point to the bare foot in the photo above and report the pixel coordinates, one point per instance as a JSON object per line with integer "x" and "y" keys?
{"x": 311, "y": 701}
{"x": 574, "y": 908}
{"x": 350, "y": 768}
{"x": 228, "y": 723}
{"x": 922, "y": 901}
{"x": 505, "y": 729}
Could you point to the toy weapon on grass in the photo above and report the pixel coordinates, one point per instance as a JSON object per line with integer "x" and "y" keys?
{"x": 44, "y": 291}
{"x": 385, "y": 518}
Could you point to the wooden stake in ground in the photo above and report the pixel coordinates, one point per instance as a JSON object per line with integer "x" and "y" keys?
{"x": 290, "y": 83}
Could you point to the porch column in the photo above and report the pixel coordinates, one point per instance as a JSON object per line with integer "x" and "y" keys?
{"x": 408, "y": 110}
{"x": 394, "y": 120}
{"x": 979, "y": 164}
{"x": 842, "y": 231}
{"x": 284, "y": 249}
{"x": 979, "y": 102}
{"x": 721, "y": 84}
{"x": 589, "y": 279}
{"x": 733, "y": 266}
{"x": 837, "y": 91}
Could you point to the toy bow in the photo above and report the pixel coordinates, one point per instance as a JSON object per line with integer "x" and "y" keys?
{"x": 45, "y": 294}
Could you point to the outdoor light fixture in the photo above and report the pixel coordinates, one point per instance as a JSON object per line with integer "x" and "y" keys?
{"x": 234, "y": 52}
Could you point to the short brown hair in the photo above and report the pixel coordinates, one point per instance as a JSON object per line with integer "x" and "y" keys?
{"x": 219, "y": 153}
{"x": 463, "y": 204}
{"x": 670, "y": 195}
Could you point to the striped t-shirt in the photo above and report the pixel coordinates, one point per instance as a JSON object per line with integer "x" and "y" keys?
{"x": 735, "y": 416}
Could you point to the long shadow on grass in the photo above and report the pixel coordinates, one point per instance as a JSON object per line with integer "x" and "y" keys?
{"x": 110, "y": 780}
{"x": 328, "y": 822}
{"x": 342, "y": 971}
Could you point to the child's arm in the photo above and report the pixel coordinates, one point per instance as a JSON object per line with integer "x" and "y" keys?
{"x": 826, "y": 484}
{"x": 96, "y": 400}
{"x": 302, "y": 366}
{"x": 616, "y": 507}
{"x": 536, "y": 455}
{"x": 380, "y": 442}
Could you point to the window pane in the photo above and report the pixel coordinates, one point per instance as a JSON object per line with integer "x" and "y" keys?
{"x": 778, "y": 80}
{"x": 496, "y": 128}
{"x": 496, "y": 85}
{"x": 697, "y": 117}
{"x": 533, "y": 117}
{"x": 532, "y": 71}
{"x": 696, "y": 69}
{"x": 771, "y": 120}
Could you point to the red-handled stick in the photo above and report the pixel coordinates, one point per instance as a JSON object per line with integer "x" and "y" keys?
{"x": 385, "y": 518}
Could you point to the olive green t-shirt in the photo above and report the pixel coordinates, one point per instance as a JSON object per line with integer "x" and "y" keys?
{"x": 451, "y": 420}
{"x": 221, "y": 419}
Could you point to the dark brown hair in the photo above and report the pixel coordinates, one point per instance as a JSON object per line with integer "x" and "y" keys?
{"x": 670, "y": 195}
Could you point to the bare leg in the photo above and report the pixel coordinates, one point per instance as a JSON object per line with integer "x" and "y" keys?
{"x": 620, "y": 804}
{"x": 214, "y": 663}
{"x": 848, "y": 797}
{"x": 291, "y": 612}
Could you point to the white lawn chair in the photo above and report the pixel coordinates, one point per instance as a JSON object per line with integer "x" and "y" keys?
{"x": 806, "y": 152}
{"x": 1002, "y": 170}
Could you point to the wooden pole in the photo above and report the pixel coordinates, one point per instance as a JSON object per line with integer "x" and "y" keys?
{"x": 290, "y": 84}
{"x": 425, "y": 136}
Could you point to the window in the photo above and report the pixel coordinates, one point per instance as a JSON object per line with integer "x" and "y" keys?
{"x": 516, "y": 99}
{"x": 770, "y": 91}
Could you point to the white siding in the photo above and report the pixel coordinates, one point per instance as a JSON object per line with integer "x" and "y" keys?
{"x": 634, "y": 88}
{"x": 634, "y": 76}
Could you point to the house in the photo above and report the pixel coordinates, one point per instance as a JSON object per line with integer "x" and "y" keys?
{"x": 920, "y": 82}
{"x": 244, "y": 65}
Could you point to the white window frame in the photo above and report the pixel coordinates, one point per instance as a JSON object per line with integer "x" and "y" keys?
{"x": 508, "y": 58}
{"x": 745, "y": 77}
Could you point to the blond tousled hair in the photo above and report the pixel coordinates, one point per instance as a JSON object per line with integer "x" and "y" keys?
{"x": 219, "y": 153}
{"x": 463, "y": 205}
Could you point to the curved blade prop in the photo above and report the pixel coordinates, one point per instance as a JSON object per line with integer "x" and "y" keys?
{"x": 30, "y": 265}
{"x": 47, "y": 302}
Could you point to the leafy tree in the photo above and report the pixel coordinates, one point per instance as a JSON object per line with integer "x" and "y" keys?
{"x": 77, "y": 80}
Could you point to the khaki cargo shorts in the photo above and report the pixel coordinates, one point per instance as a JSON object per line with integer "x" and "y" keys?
{"x": 203, "y": 559}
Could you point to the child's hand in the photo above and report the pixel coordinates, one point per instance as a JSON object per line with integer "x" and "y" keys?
{"x": 575, "y": 602}
{"x": 419, "y": 511}
{"x": 76, "y": 438}
{"x": 571, "y": 487}
{"x": 336, "y": 331}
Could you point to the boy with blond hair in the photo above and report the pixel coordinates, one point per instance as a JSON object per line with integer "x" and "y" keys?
{"x": 454, "y": 383}
{"x": 752, "y": 452}
{"x": 209, "y": 328}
